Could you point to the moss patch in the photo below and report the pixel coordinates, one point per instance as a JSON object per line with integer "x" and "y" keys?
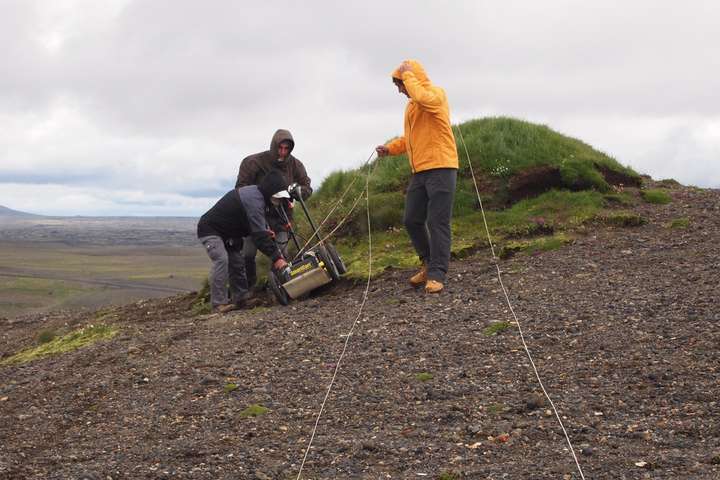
{"x": 679, "y": 223}
{"x": 619, "y": 219}
{"x": 533, "y": 246}
{"x": 495, "y": 328}
{"x": 254, "y": 410}
{"x": 620, "y": 198}
{"x": 424, "y": 376}
{"x": 230, "y": 387}
{"x": 66, "y": 343}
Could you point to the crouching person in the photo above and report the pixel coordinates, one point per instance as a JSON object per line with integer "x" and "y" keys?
{"x": 239, "y": 213}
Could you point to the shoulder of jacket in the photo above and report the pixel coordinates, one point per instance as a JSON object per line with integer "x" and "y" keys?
{"x": 258, "y": 157}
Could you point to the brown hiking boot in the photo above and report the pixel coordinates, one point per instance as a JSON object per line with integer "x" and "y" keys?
{"x": 420, "y": 277}
{"x": 228, "y": 307}
{"x": 433, "y": 286}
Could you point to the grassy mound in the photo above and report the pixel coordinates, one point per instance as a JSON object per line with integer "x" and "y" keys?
{"x": 512, "y": 160}
{"x": 533, "y": 181}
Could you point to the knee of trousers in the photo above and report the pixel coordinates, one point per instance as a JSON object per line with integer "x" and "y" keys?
{"x": 413, "y": 223}
{"x": 218, "y": 255}
{"x": 438, "y": 225}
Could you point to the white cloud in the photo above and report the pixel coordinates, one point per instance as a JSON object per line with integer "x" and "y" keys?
{"x": 49, "y": 199}
{"x": 165, "y": 98}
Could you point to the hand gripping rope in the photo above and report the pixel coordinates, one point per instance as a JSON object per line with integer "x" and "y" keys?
{"x": 507, "y": 299}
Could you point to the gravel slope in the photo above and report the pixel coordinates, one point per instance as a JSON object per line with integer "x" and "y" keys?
{"x": 623, "y": 324}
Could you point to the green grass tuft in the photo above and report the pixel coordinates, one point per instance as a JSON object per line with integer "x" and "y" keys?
{"x": 495, "y": 328}
{"x": 201, "y": 305}
{"x": 254, "y": 410}
{"x": 680, "y": 223}
{"x": 230, "y": 387}
{"x": 72, "y": 341}
{"x": 656, "y": 196}
{"x": 424, "y": 376}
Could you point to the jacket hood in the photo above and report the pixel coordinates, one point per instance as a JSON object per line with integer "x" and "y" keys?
{"x": 271, "y": 184}
{"x": 279, "y": 137}
{"x": 417, "y": 69}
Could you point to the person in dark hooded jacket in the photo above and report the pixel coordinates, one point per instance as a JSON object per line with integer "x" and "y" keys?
{"x": 238, "y": 215}
{"x": 252, "y": 171}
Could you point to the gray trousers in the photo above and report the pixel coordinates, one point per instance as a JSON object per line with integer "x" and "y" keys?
{"x": 428, "y": 210}
{"x": 228, "y": 266}
{"x": 250, "y": 251}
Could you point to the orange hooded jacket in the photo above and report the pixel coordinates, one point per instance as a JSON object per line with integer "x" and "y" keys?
{"x": 428, "y": 139}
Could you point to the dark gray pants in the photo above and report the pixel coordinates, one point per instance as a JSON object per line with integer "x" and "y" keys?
{"x": 428, "y": 210}
{"x": 250, "y": 251}
{"x": 228, "y": 266}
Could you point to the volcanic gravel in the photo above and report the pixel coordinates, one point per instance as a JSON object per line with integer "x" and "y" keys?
{"x": 622, "y": 324}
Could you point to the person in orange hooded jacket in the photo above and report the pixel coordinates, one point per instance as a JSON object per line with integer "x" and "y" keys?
{"x": 430, "y": 147}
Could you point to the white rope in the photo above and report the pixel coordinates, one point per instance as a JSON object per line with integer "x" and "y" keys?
{"x": 512, "y": 310}
{"x": 352, "y": 328}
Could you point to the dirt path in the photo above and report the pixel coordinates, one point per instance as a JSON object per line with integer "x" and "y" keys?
{"x": 623, "y": 324}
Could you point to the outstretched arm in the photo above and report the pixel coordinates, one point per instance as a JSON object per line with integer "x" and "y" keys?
{"x": 395, "y": 147}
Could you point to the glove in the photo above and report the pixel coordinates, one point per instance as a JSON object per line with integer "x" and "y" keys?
{"x": 295, "y": 191}
{"x": 280, "y": 264}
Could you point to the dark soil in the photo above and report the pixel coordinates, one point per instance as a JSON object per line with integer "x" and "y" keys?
{"x": 616, "y": 178}
{"x": 534, "y": 181}
{"x": 623, "y": 325}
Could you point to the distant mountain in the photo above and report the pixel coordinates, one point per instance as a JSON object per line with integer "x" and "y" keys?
{"x": 10, "y": 213}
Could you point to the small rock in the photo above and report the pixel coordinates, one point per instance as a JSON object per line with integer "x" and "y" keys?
{"x": 534, "y": 402}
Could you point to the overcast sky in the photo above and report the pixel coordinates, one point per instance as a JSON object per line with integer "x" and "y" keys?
{"x": 120, "y": 107}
